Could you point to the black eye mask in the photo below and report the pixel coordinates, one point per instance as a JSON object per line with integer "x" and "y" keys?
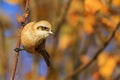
{"x": 43, "y": 28}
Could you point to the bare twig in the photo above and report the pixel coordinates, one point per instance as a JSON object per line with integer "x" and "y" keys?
{"x": 63, "y": 18}
{"x": 84, "y": 66}
{"x": 59, "y": 25}
{"x": 19, "y": 41}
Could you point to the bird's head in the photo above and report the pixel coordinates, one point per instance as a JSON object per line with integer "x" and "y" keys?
{"x": 43, "y": 28}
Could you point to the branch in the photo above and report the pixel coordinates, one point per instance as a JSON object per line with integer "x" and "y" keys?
{"x": 58, "y": 27}
{"x": 84, "y": 66}
{"x": 19, "y": 41}
{"x": 63, "y": 18}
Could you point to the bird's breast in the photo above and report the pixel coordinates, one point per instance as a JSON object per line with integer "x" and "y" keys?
{"x": 30, "y": 42}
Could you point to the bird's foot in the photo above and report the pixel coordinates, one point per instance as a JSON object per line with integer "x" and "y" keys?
{"x": 18, "y": 49}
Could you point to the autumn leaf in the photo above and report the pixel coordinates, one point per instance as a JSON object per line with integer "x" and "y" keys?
{"x": 107, "y": 64}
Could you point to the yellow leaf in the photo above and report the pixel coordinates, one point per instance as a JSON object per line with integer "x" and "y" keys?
{"x": 107, "y": 64}
{"x": 116, "y": 2}
{"x": 92, "y": 6}
{"x": 88, "y": 24}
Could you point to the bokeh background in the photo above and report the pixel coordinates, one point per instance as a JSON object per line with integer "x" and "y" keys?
{"x": 81, "y": 28}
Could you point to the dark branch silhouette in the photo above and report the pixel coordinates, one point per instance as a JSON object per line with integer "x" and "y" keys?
{"x": 59, "y": 26}
{"x": 84, "y": 66}
{"x": 63, "y": 18}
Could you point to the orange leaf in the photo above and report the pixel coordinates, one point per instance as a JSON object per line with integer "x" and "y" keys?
{"x": 92, "y": 6}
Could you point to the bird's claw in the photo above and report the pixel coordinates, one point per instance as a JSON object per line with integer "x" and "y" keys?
{"x": 18, "y": 49}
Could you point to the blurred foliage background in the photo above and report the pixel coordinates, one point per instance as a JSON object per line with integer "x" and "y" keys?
{"x": 81, "y": 27}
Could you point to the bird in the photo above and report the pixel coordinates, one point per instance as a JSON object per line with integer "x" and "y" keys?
{"x": 33, "y": 38}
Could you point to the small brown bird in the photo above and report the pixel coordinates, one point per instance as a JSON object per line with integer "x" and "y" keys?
{"x": 33, "y": 38}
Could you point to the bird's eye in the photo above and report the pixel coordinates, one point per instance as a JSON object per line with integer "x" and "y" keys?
{"x": 43, "y": 28}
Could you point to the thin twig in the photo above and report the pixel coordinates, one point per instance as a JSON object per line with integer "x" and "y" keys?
{"x": 63, "y": 18}
{"x": 19, "y": 41}
{"x": 59, "y": 26}
{"x": 84, "y": 66}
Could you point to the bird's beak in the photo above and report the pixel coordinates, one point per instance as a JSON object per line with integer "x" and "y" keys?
{"x": 50, "y": 32}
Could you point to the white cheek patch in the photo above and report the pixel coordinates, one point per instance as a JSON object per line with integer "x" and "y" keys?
{"x": 46, "y": 35}
{"x": 43, "y": 34}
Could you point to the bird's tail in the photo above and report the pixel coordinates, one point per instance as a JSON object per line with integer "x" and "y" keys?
{"x": 46, "y": 56}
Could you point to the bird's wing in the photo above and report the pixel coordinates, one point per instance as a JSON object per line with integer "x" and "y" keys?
{"x": 46, "y": 56}
{"x": 40, "y": 49}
